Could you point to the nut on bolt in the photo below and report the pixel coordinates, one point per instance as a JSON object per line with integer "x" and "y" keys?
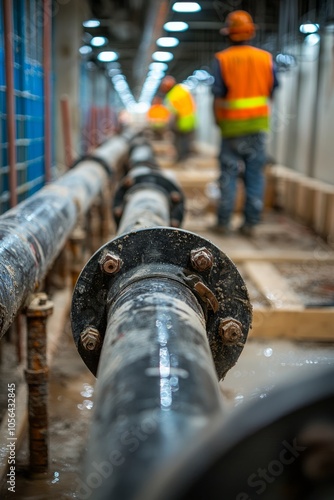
{"x": 201, "y": 259}
{"x": 230, "y": 330}
{"x": 90, "y": 338}
{"x": 111, "y": 263}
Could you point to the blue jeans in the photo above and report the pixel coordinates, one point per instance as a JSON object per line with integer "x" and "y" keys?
{"x": 245, "y": 154}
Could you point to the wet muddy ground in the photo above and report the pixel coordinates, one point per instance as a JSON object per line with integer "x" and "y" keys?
{"x": 262, "y": 365}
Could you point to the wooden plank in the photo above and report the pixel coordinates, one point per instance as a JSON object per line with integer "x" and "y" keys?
{"x": 308, "y": 324}
{"x": 279, "y": 256}
{"x": 305, "y": 198}
{"x": 272, "y": 285}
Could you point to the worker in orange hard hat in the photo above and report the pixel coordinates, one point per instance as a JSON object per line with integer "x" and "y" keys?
{"x": 158, "y": 117}
{"x": 245, "y": 79}
{"x": 179, "y": 101}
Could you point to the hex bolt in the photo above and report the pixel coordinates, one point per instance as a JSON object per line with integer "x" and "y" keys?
{"x": 175, "y": 197}
{"x": 91, "y": 338}
{"x": 111, "y": 263}
{"x": 230, "y": 331}
{"x": 201, "y": 259}
{"x": 128, "y": 181}
{"x": 118, "y": 211}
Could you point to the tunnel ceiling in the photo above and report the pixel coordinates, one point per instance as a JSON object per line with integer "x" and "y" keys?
{"x": 133, "y": 26}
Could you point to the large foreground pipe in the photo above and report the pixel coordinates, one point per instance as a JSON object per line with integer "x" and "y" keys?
{"x": 146, "y": 310}
{"x": 33, "y": 233}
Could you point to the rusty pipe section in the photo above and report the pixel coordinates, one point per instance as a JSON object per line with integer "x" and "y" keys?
{"x": 159, "y": 314}
{"x": 33, "y": 233}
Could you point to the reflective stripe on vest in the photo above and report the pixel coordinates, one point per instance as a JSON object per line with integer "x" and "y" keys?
{"x": 245, "y": 103}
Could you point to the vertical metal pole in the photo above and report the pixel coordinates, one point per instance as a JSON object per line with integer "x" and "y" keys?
{"x": 66, "y": 121}
{"x": 47, "y": 88}
{"x": 10, "y": 100}
{"x": 76, "y": 248}
{"x": 36, "y": 376}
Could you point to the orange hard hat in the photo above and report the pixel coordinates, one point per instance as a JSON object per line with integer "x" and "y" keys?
{"x": 167, "y": 83}
{"x": 239, "y": 26}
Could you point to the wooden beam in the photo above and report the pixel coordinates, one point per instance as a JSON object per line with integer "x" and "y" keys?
{"x": 294, "y": 324}
{"x": 272, "y": 285}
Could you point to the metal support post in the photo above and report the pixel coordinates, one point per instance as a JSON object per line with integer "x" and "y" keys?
{"x": 37, "y": 379}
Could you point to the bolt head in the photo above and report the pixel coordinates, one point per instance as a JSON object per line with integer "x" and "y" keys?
{"x": 90, "y": 338}
{"x": 111, "y": 263}
{"x": 175, "y": 196}
{"x": 201, "y": 259}
{"x": 230, "y": 330}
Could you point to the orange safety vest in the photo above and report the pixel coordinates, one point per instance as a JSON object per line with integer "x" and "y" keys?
{"x": 158, "y": 116}
{"x": 248, "y": 75}
{"x": 180, "y": 101}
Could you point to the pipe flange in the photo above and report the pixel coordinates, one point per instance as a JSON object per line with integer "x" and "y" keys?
{"x": 219, "y": 288}
{"x": 146, "y": 176}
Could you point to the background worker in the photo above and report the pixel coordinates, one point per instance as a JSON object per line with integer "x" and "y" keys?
{"x": 179, "y": 101}
{"x": 244, "y": 82}
{"x": 158, "y": 117}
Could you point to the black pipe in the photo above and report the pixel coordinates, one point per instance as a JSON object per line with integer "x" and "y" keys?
{"x": 33, "y": 233}
{"x": 146, "y": 311}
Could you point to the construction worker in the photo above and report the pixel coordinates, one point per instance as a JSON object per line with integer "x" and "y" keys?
{"x": 158, "y": 117}
{"x": 181, "y": 104}
{"x": 244, "y": 82}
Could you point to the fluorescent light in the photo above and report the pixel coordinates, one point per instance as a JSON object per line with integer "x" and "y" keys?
{"x": 85, "y": 49}
{"x": 162, "y": 56}
{"x": 176, "y": 26}
{"x": 312, "y": 39}
{"x": 308, "y": 28}
{"x": 98, "y": 41}
{"x": 156, "y": 74}
{"x": 107, "y": 56}
{"x": 167, "y": 41}
{"x": 91, "y": 23}
{"x": 186, "y": 7}
{"x": 159, "y": 66}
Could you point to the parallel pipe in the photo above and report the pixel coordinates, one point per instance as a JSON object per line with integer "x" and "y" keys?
{"x": 33, "y": 233}
{"x": 146, "y": 310}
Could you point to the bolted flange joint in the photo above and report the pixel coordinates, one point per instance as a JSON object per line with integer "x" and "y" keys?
{"x": 201, "y": 259}
{"x": 230, "y": 331}
{"x": 110, "y": 263}
{"x": 91, "y": 338}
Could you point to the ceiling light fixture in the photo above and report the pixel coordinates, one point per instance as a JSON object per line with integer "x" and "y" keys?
{"x": 107, "y": 56}
{"x": 98, "y": 41}
{"x": 85, "y": 49}
{"x": 91, "y": 23}
{"x": 186, "y": 7}
{"x": 312, "y": 39}
{"x": 167, "y": 41}
{"x": 176, "y": 26}
{"x": 308, "y": 28}
{"x": 162, "y": 56}
{"x": 158, "y": 65}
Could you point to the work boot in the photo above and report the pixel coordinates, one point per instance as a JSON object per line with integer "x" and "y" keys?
{"x": 219, "y": 229}
{"x": 247, "y": 230}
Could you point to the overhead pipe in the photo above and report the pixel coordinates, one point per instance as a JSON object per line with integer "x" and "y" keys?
{"x": 147, "y": 309}
{"x": 33, "y": 233}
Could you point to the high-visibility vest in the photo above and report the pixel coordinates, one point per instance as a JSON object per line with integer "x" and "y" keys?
{"x": 180, "y": 101}
{"x": 248, "y": 75}
{"x": 158, "y": 116}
